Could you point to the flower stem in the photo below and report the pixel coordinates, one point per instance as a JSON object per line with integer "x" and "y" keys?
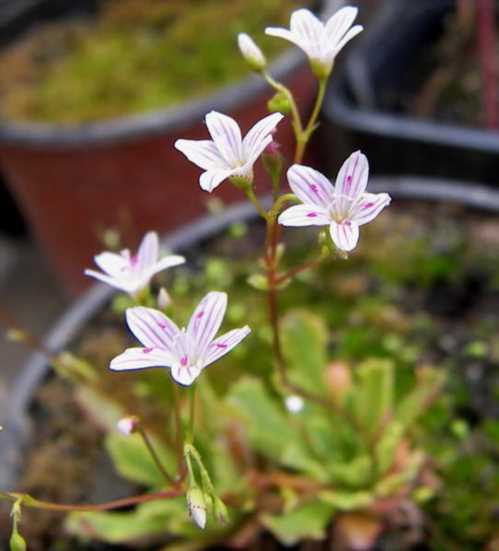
{"x": 178, "y": 428}
{"x": 304, "y": 136}
{"x": 28, "y": 501}
{"x": 192, "y": 415}
{"x": 254, "y": 199}
{"x": 296, "y": 120}
{"x": 154, "y": 455}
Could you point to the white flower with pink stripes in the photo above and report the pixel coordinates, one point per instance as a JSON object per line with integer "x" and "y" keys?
{"x": 343, "y": 207}
{"x": 227, "y": 154}
{"x": 133, "y": 272}
{"x": 321, "y": 42}
{"x": 185, "y": 351}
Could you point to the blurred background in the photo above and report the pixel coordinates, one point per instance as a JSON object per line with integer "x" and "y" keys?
{"x": 94, "y": 93}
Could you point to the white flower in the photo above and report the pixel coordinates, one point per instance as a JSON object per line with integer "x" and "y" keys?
{"x": 343, "y": 207}
{"x": 132, "y": 273}
{"x": 186, "y": 351}
{"x": 251, "y": 52}
{"x": 321, "y": 42}
{"x": 227, "y": 155}
{"x": 294, "y": 403}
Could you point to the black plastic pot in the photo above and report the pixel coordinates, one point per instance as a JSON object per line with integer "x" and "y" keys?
{"x": 378, "y": 66}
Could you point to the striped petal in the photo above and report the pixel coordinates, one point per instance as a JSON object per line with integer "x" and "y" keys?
{"x": 310, "y": 186}
{"x": 304, "y": 215}
{"x": 352, "y": 177}
{"x": 184, "y": 370}
{"x": 122, "y": 285}
{"x": 224, "y": 344}
{"x": 148, "y": 252}
{"x": 207, "y": 319}
{"x": 283, "y": 33}
{"x": 368, "y": 206}
{"x": 112, "y": 263}
{"x": 211, "y": 179}
{"x": 152, "y": 328}
{"x": 339, "y": 23}
{"x": 166, "y": 262}
{"x": 309, "y": 30}
{"x": 352, "y": 33}
{"x": 345, "y": 235}
{"x": 203, "y": 153}
{"x": 141, "y": 358}
{"x": 227, "y": 137}
{"x": 259, "y": 137}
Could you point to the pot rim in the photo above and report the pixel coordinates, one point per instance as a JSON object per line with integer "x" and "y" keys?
{"x": 342, "y": 109}
{"x": 161, "y": 121}
{"x": 17, "y": 426}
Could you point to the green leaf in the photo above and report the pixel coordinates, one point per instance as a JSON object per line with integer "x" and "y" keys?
{"x": 133, "y": 461}
{"x": 347, "y": 501}
{"x": 354, "y": 473}
{"x": 258, "y": 281}
{"x": 149, "y": 520}
{"x": 305, "y": 340}
{"x": 414, "y": 404}
{"x": 271, "y": 430}
{"x": 387, "y": 446}
{"x": 373, "y": 395}
{"x": 308, "y": 521}
{"x": 17, "y": 542}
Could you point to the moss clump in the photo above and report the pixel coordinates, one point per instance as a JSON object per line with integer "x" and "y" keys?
{"x": 136, "y": 56}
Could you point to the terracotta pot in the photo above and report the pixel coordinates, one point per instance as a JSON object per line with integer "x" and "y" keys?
{"x": 74, "y": 182}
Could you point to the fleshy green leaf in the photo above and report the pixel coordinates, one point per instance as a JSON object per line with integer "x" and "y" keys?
{"x": 347, "y": 501}
{"x": 305, "y": 340}
{"x": 133, "y": 461}
{"x": 270, "y": 428}
{"x": 373, "y": 397}
{"x": 387, "y": 446}
{"x": 306, "y": 522}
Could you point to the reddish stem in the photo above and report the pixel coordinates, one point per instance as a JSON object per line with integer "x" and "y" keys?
{"x": 487, "y": 56}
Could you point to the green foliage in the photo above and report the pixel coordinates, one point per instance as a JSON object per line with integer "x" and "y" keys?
{"x": 132, "y": 460}
{"x": 307, "y": 521}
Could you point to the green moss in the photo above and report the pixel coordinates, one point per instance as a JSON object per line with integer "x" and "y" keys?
{"x": 136, "y": 57}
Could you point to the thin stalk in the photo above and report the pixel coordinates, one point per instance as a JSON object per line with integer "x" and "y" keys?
{"x": 296, "y": 120}
{"x": 178, "y": 428}
{"x": 304, "y": 137}
{"x": 28, "y": 501}
{"x": 192, "y": 415}
{"x": 254, "y": 199}
{"x": 299, "y": 269}
{"x": 154, "y": 455}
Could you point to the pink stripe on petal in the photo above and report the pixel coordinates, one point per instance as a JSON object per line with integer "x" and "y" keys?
{"x": 141, "y": 358}
{"x": 310, "y": 186}
{"x": 345, "y": 235}
{"x": 353, "y": 175}
{"x": 304, "y": 215}
{"x": 368, "y": 206}
{"x": 225, "y": 344}
{"x": 151, "y": 327}
{"x": 207, "y": 319}
{"x": 256, "y": 139}
{"x": 226, "y": 134}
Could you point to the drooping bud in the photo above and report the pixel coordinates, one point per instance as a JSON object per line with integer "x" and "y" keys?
{"x": 251, "y": 52}
{"x": 339, "y": 381}
{"x": 164, "y": 299}
{"x": 196, "y": 503}
{"x": 220, "y": 511}
{"x": 128, "y": 425}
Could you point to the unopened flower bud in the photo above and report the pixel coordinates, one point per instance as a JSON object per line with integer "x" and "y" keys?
{"x": 196, "y": 502}
{"x": 164, "y": 299}
{"x": 220, "y": 511}
{"x": 339, "y": 381}
{"x": 294, "y": 403}
{"x": 251, "y": 52}
{"x": 128, "y": 425}
{"x": 279, "y": 103}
